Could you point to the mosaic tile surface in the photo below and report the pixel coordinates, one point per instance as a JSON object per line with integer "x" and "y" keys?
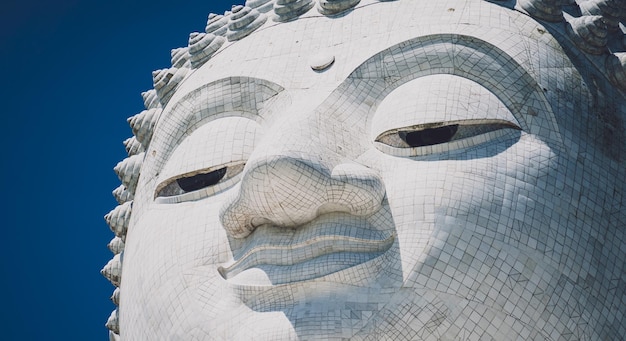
{"x": 380, "y": 170}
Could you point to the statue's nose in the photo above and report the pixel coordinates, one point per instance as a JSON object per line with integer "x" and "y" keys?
{"x": 291, "y": 189}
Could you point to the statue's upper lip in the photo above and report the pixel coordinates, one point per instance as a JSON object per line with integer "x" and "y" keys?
{"x": 289, "y": 249}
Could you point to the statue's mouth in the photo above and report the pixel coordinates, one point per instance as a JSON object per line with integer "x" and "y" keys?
{"x": 274, "y": 255}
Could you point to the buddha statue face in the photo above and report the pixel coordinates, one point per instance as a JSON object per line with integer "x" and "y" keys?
{"x": 439, "y": 171}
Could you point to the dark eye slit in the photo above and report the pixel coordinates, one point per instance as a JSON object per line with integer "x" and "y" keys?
{"x": 429, "y": 137}
{"x": 450, "y": 132}
{"x": 199, "y": 181}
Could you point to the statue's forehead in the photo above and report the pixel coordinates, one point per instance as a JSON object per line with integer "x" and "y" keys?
{"x": 283, "y": 53}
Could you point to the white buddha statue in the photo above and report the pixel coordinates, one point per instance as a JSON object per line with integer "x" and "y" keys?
{"x": 380, "y": 170}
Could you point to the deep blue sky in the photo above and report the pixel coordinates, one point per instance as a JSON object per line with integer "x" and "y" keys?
{"x": 72, "y": 71}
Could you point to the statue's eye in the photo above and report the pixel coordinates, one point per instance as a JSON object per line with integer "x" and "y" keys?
{"x": 208, "y": 161}
{"x": 200, "y": 183}
{"x": 428, "y": 137}
{"x": 452, "y": 134}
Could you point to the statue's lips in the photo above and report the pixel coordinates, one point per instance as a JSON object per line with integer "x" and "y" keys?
{"x": 291, "y": 255}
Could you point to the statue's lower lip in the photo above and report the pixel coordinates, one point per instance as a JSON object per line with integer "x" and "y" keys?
{"x": 289, "y": 260}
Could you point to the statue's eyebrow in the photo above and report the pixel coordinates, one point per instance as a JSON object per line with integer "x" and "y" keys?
{"x": 465, "y": 56}
{"x": 232, "y": 96}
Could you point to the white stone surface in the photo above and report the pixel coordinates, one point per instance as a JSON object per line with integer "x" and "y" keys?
{"x": 277, "y": 202}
